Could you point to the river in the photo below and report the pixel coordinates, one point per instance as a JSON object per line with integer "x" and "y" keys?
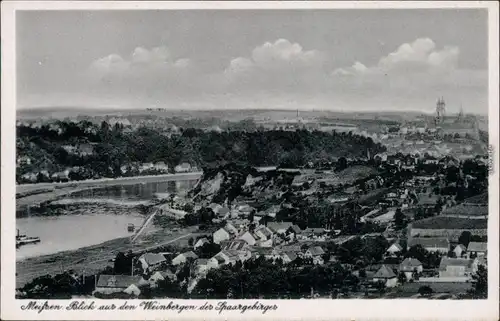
{"x": 95, "y": 216}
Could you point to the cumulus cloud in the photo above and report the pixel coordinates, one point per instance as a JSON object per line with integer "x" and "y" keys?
{"x": 420, "y": 56}
{"x": 414, "y": 71}
{"x": 141, "y": 60}
{"x": 276, "y": 66}
{"x": 284, "y": 73}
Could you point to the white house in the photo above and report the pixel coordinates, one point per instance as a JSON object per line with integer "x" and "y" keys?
{"x": 410, "y": 266}
{"x": 151, "y": 261}
{"x": 263, "y": 233}
{"x": 288, "y": 257}
{"x": 460, "y": 250}
{"x": 394, "y": 249}
{"x": 231, "y": 228}
{"x": 183, "y": 168}
{"x": 475, "y": 249}
{"x": 108, "y": 284}
{"x": 455, "y": 267}
{"x": 248, "y": 238}
{"x": 314, "y": 252}
{"x": 387, "y": 276}
{"x": 183, "y": 257}
{"x": 160, "y": 276}
{"x": 221, "y": 235}
{"x": 200, "y": 242}
{"x": 279, "y": 227}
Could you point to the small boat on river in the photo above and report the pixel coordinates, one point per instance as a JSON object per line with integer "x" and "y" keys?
{"x": 22, "y": 239}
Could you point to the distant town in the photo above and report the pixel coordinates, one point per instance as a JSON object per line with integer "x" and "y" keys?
{"x": 279, "y": 204}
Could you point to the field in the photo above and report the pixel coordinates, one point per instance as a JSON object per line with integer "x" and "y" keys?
{"x": 448, "y": 287}
{"x": 453, "y": 223}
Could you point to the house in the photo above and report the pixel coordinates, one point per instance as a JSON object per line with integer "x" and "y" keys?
{"x": 279, "y": 227}
{"x": 460, "y": 250}
{"x": 231, "y": 229}
{"x": 161, "y": 276}
{"x": 394, "y": 249}
{"x": 222, "y": 212}
{"x": 312, "y": 234}
{"x": 431, "y": 244}
{"x": 221, "y": 235}
{"x": 263, "y": 233}
{"x": 202, "y": 266}
{"x": 61, "y": 176}
{"x": 476, "y": 249}
{"x": 161, "y": 166}
{"x": 151, "y": 261}
{"x": 480, "y": 260}
{"x": 224, "y": 257}
{"x": 215, "y": 207}
{"x": 240, "y": 224}
{"x": 237, "y": 245}
{"x": 410, "y": 266}
{"x": 271, "y": 211}
{"x": 386, "y": 275}
{"x": 265, "y": 243}
{"x": 200, "y": 243}
{"x": 145, "y": 167}
{"x": 455, "y": 267}
{"x": 248, "y": 238}
{"x": 108, "y": 284}
{"x": 314, "y": 251}
{"x": 184, "y": 257}
{"x": 183, "y": 168}
{"x": 288, "y": 257}
{"x": 85, "y": 149}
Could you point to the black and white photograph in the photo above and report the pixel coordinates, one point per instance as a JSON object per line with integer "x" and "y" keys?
{"x": 251, "y": 154}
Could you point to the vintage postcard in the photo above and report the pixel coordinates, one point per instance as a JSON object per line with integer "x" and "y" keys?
{"x": 250, "y": 160}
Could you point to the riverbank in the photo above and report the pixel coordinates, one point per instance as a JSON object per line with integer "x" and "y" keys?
{"x": 92, "y": 259}
{"x": 53, "y": 191}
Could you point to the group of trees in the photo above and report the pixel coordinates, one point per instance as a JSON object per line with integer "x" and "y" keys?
{"x": 362, "y": 252}
{"x": 114, "y": 148}
{"x": 263, "y": 278}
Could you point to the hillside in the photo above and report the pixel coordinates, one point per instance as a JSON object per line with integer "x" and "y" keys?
{"x": 230, "y": 181}
{"x": 49, "y": 147}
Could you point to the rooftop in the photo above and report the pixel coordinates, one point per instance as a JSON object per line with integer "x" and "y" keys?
{"x": 153, "y": 258}
{"x": 477, "y": 247}
{"x": 384, "y": 273}
{"x": 447, "y": 261}
{"x": 437, "y": 242}
{"x": 117, "y": 281}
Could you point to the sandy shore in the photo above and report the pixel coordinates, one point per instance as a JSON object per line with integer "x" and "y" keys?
{"x": 51, "y": 191}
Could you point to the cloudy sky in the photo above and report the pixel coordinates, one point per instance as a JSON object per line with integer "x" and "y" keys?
{"x": 315, "y": 59}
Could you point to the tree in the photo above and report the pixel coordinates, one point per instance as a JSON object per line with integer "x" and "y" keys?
{"x": 418, "y": 252}
{"x": 399, "y": 219}
{"x": 191, "y": 241}
{"x": 123, "y": 263}
{"x": 465, "y": 238}
{"x": 208, "y": 250}
{"x": 480, "y": 282}
{"x": 425, "y": 290}
{"x": 402, "y": 278}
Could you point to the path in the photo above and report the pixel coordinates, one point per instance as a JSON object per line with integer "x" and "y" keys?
{"x": 144, "y": 224}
